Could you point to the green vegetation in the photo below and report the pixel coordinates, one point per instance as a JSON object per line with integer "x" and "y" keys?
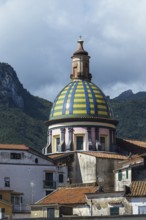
{"x": 18, "y": 127}
{"x": 131, "y": 114}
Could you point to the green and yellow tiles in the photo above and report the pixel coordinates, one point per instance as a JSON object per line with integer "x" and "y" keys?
{"x": 80, "y": 99}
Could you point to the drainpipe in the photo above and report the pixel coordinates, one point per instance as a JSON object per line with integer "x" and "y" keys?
{"x": 91, "y": 208}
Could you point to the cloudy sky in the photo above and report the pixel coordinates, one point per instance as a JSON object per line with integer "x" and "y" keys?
{"x": 38, "y": 37}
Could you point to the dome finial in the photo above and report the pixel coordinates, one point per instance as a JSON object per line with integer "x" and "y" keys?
{"x": 80, "y": 43}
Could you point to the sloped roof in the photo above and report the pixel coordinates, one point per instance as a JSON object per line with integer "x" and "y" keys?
{"x": 106, "y": 155}
{"x": 66, "y": 196}
{"x": 137, "y": 189}
{"x": 138, "y": 143}
{"x": 97, "y": 154}
{"x": 133, "y": 146}
{"x": 13, "y": 147}
{"x": 59, "y": 155}
{"x": 22, "y": 147}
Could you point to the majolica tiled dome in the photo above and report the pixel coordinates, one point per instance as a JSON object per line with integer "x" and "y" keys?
{"x": 80, "y": 98}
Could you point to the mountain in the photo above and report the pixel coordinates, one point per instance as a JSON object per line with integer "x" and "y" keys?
{"x": 130, "y": 110}
{"x": 22, "y": 115}
{"x": 129, "y": 95}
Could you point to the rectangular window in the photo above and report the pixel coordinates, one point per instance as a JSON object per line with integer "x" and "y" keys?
{"x": 16, "y": 200}
{"x": 48, "y": 182}
{"x": 60, "y": 178}
{"x": 1, "y": 197}
{"x": 58, "y": 144}
{"x": 126, "y": 173}
{"x": 120, "y": 175}
{"x": 114, "y": 211}
{"x": 103, "y": 142}
{"x": 7, "y": 181}
{"x": 15, "y": 156}
{"x": 79, "y": 142}
{"x": 50, "y": 213}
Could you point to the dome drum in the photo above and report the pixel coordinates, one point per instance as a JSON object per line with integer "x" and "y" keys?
{"x": 85, "y": 138}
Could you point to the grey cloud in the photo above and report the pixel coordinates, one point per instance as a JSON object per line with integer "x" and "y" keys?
{"x": 39, "y": 37}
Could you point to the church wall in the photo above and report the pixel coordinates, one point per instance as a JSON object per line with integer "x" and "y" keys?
{"x": 87, "y": 166}
{"x": 105, "y": 175}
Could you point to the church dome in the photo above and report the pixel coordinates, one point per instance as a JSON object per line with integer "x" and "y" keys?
{"x": 80, "y": 99}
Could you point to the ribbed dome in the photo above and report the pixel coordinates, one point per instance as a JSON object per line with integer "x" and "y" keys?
{"x": 80, "y": 98}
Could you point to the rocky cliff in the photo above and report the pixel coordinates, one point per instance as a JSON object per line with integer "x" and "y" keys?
{"x": 10, "y": 87}
{"x": 22, "y": 115}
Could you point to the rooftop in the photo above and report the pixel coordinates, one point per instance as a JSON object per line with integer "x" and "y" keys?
{"x": 137, "y": 189}
{"x": 13, "y": 147}
{"x": 106, "y": 155}
{"x": 97, "y": 154}
{"x": 66, "y": 196}
{"x": 131, "y": 146}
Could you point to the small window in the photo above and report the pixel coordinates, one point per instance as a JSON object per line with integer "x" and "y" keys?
{"x": 3, "y": 210}
{"x": 48, "y": 192}
{"x": 103, "y": 143}
{"x": 79, "y": 142}
{"x": 1, "y": 197}
{"x": 126, "y": 173}
{"x": 58, "y": 144}
{"x": 36, "y": 160}
{"x": 120, "y": 175}
{"x": 15, "y": 156}
{"x": 7, "y": 181}
{"x": 114, "y": 211}
{"x": 60, "y": 178}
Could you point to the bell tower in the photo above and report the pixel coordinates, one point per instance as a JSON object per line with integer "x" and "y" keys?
{"x": 80, "y": 63}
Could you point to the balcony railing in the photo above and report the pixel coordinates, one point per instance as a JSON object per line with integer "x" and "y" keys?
{"x": 49, "y": 184}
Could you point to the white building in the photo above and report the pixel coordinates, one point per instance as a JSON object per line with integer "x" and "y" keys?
{"x": 29, "y": 173}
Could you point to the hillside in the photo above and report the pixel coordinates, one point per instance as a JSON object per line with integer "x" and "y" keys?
{"x": 22, "y": 115}
{"x": 130, "y": 110}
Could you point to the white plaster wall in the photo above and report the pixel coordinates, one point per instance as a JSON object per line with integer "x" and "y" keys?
{"x": 26, "y": 157}
{"x": 87, "y": 168}
{"x": 42, "y": 212}
{"x": 101, "y": 206}
{"x": 136, "y": 203}
{"x": 82, "y": 210}
{"x": 119, "y": 185}
{"x": 21, "y": 177}
{"x": 23, "y": 172}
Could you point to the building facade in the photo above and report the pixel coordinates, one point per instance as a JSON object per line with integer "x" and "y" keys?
{"x": 28, "y": 173}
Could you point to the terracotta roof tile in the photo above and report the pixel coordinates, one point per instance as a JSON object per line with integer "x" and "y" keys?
{"x": 91, "y": 153}
{"x": 138, "y": 189}
{"x": 59, "y": 155}
{"x": 13, "y": 147}
{"x": 138, "y": 143}
{"x": 64, "y": 196}
{"x": 106, "y": 155}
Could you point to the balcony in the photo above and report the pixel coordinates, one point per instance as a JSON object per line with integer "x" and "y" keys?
{"x": 49, "y": 184}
